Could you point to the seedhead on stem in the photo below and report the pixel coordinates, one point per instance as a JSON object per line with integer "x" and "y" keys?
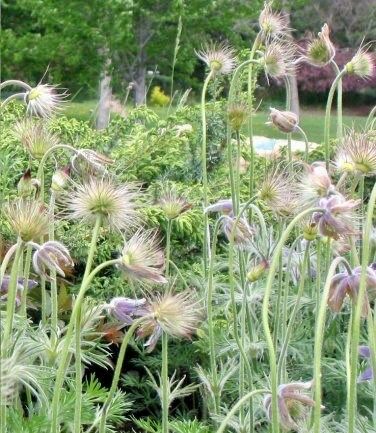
{"x": 357, "y": 154}
{"x": 273, "y": 24}
{"x": 220, "y": 58}
{"x": 28, "y": 218}
{"x": 320, "y": 51}
{"x": 178, "y": 315}
{"x": 44, "y": 100}
{"x": 102, "y": 197}
{"x": 142, "y": 259}
{"x": 35, "y": 137}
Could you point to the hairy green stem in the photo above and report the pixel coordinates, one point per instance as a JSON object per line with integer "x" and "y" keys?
{"x": 339, "y": 102}
{"x": 265, "y": 314}
{"x": 209, "y": 312}
{"x": 168, "y": 246}
{"x": 17, "y": 83}
{"x": 117, "y": 373}
{"x": 65, "y": 353}
{"x": 237, "y": 406}
{"x": 26, "y": 274}
{"x": 327, "y": 115}
{"x": 204, "y": 169}
{"x": 370, "y": 118}
{"x": 78, "y": 362}
{"x": 352, "y": 402}
{"x": 306, "y": 142}
{"x": 319, "y": 338}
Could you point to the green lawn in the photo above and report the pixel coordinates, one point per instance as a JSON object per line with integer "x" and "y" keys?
{"x": 311, "y": 120}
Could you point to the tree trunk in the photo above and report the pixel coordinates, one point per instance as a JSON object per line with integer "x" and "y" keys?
{"x": 104, "y": 105}
{"x": 140, "y": 85}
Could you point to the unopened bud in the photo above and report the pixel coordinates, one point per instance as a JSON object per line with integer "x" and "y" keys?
{"x": 310, "y": 231}
{"x": 257, "y": 271}
{"x": 285, "y": 121}
{"x": 27, "y": 186}
{"x": 59, "y": 179}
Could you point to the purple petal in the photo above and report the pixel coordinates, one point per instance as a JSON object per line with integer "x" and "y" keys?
{"x": 364, "y": 351}
{"x": 366, "y": 375}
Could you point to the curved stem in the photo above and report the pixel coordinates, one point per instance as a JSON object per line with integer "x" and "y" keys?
{"x": 306, "y": 154}
{"x": 6, "y": 260}
{"x": 237, "y": 406}
{"x": 117, "y": 373}
{"x": 209, "y": 307}
{"x": 369, "y": 118}
{"x": 60, "y": 375}
{"x": 327, "y": 115}
{"x": 339, "y": 102}
{"x": 78, "y": 361}
{"x": 352, "y": 403}
{"x": 319, "y": 338}
{"x": 11, "y": 98}
{"x": 288, "y": 108}
{"x": 40, "y": 174}
{"x": 186, "y": 285}
{"x": 265, "y": 313}
{"x": 204, "y": 169}
{"x": 17, "y": 83}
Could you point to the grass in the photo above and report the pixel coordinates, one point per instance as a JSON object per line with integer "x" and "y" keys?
{"x": 311, "y": 120}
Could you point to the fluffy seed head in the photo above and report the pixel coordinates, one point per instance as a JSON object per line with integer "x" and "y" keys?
{"x": 60, "y": 179}
{"x": 315, "y": 183}
{"x": 101, "y": 197}
{"x": 28, "y": 218}
{"x": 51, "y": 256}
{"x": 220, "y": 58}
{"x": 237, "y": 115}
{"x": 278, "y": 193}
{"x": 273, "y": 24}
{"x": 172, "y": 203}
{"x": 35, "y": 137}
{"x": 178, "y": 315}
{"x": 285, "y": 121}
{"x": 320, "y": 51}
{"x": 44, "y": 100}
{"x": 362, "y": 64}
{"x": 278, "y": 59}
{"x": 358, "y": 153}
{"x": 142, "y": 259}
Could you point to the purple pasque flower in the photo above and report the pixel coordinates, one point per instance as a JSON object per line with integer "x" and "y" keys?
{"x": 224, "y": 206}
{"x": 125, "y": 309}
{"x": 367, "y": 374}
{"x": 345, "y": 283}
{"x": 51, "y": 256}
{"x": 338, "y": 217}
{"x": 20, "y": 287}
{"x": 293, "y": 404}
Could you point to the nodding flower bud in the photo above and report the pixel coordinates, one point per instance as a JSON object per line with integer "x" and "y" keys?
{"x": 27, "y": 186}
{"x": 285, "y": 121}
{"x": 60, "y": 179}
{"x": 310, "y": 231}
{"x": 257, "y": 271}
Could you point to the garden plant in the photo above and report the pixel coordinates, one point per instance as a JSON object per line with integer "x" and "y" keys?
{"x": 161, "y": 276}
